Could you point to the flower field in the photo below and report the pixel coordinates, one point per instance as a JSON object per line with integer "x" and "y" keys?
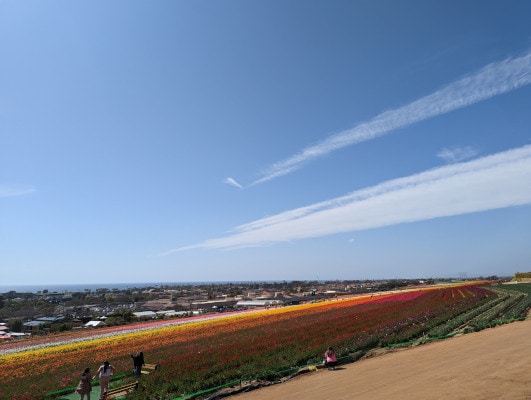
{"x": 204, "y": 354}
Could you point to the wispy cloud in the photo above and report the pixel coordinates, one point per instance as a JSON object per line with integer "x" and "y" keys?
{"x": 457, "y": 154}
{"x": 492, "y": 80}
{"x": 232, "y": 182}
{"x": 497, "y": 181}
{"x": 12, "y": 191}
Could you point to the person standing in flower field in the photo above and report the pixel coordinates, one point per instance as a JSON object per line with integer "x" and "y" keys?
{"x": 104, "y": 372}
{"x": 85, "y": 384}
{"x": 330, "y": 358}
{"x": 138, "y": 361}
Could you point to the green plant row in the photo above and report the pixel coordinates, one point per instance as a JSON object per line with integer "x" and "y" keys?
{"x": 521, "y": 308}
{"x": 484, "y": 320}
{"x": 461, "y": 319}
{"x": 520, "y": 287}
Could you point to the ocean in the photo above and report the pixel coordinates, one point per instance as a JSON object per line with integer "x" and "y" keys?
{"x": 82, "y": 287}
{"x": 76, "y": 287}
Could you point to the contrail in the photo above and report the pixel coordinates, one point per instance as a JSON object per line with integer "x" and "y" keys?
{"x": 497, "y": 181}
{"x": 11, "y": 191}
{"x": 233, "y": 182}
{"x": 492, "y": 80}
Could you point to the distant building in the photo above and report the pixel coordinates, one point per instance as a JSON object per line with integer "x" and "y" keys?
{"x": 95, "y": 324}
{"x": 172, "y": 313}
{"x": 258, "y": 303}
{"x": 522, "y": 277}
{"x": 33, "y": 324}
{"x": 36, "y": 324}
{"x": 51, "y": 320}
{"x": 145, "y": 314}
{"x": 4, "y": 332}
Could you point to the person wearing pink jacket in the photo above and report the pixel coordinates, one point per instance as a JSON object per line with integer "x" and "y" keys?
{"x": 330, "y": 358}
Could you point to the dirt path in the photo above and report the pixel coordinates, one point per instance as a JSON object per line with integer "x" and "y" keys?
{"x": 491, "y": 364}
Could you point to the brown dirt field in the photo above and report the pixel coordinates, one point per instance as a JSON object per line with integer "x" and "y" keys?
{"x": 492, "y": 364}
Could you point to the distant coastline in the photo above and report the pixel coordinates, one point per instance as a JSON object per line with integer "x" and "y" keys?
{"x": 81, "y": 287}
{"x": 75, "y": 287}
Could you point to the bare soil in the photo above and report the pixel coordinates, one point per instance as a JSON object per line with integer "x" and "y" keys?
{"x": 492, "y": 364}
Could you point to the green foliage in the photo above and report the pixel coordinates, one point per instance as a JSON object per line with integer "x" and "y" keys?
{"x": 114, "y": 321}
{"x": 521, "y": 308}
{"x": 45, "y": 326}
{"x": 489, "y": 317}
{"x": 64, "y": 327}
{"x": 16, "y": 325}
{"x": 519, "y": 287}
{"x": 125, "y": 315}
{"x": 460, "y": 320}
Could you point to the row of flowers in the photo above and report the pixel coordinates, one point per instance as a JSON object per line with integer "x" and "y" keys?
{"x": 59, "y": 339}
{"x": 210, "y": 352}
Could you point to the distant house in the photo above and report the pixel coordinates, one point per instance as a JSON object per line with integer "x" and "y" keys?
{"x": 33, "y": 324}
{"x": 95, "y": 324}
{"x": 172, "y": 313}
{"x": 17, "y": 335}
{"x": 51, "y": 320}
{"x": 145, "y": 314}
{"x": 258, "y": 303}
{"x": 4, "y": 332}
{"x": 37, "y": 323}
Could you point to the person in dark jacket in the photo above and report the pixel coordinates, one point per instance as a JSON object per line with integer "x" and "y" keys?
{"x": 138, "y": 361}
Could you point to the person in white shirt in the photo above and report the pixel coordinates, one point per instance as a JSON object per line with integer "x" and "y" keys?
{"x": 104, "y": 372}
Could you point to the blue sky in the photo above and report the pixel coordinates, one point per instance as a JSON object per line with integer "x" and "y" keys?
{"x": 173, "y": 141}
